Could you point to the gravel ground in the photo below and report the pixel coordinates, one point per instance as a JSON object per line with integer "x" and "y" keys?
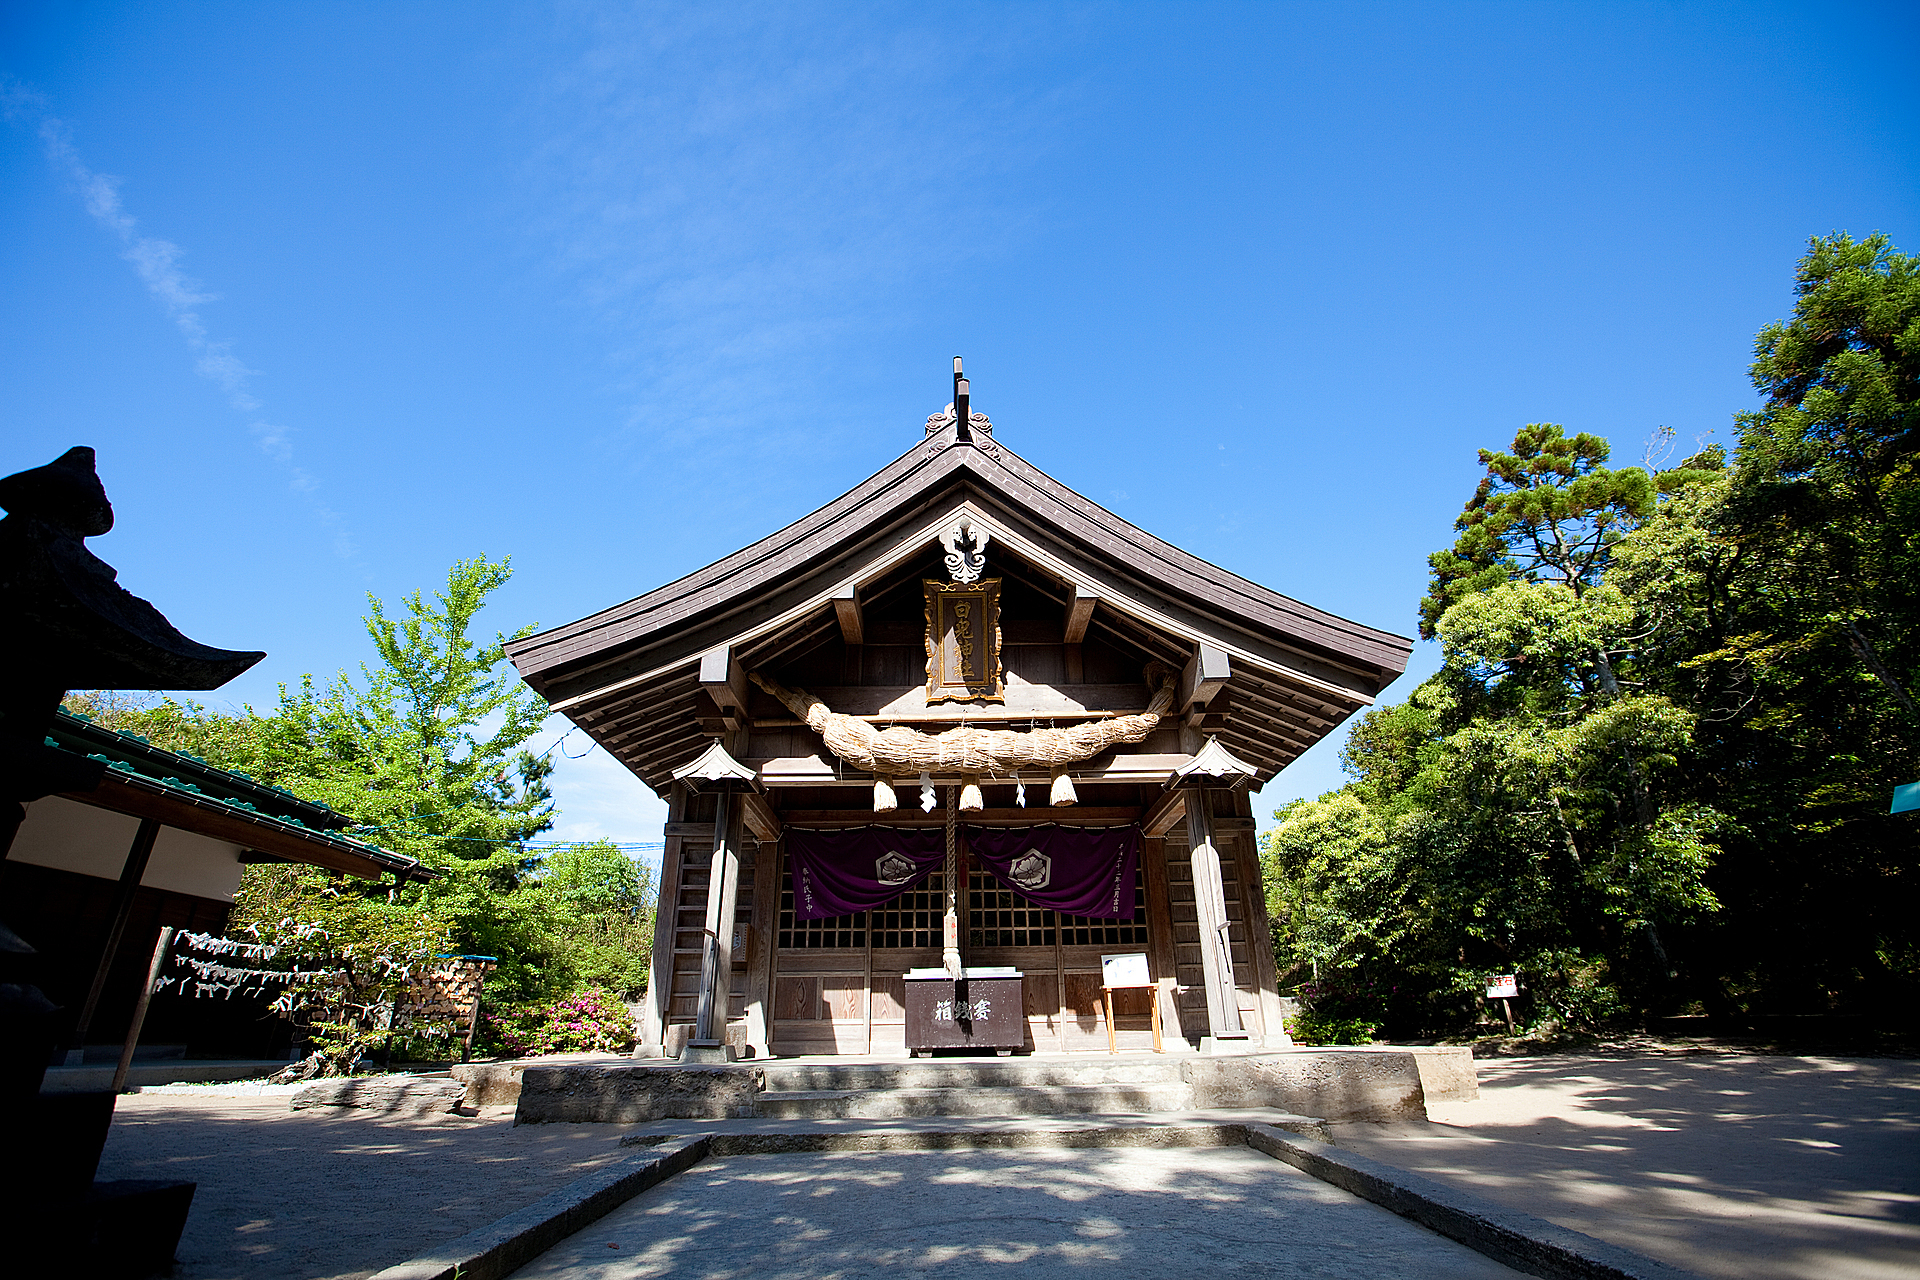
{"x": 1727, "y": 1164}
{"x": 996, "y": 1215}
{"x": 336, "y": 1194}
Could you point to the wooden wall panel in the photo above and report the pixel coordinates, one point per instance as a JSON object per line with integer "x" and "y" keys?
{"x": 796, "y": 1000}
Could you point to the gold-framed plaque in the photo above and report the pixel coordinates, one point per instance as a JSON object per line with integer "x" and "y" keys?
{"x": 963, "y": 641}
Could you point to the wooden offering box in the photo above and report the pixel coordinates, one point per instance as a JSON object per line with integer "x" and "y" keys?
{"x": 985, "y": 1010}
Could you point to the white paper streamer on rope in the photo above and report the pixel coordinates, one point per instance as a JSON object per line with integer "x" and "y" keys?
{"x": 211, "y": 979}
{"x": 212, "y": 945}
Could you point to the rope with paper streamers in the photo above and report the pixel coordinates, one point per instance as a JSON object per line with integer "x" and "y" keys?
{"x": 209, "y": 979}
{"x": 902, "y": 752}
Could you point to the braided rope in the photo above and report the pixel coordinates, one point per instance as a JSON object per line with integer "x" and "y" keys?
{"x": 900, "y": 750}
{"x": 950, "y": 924}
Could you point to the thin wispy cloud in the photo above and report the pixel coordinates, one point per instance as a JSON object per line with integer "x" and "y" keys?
{"x": 733, "y": 192}
{"x": 156, "y": 262}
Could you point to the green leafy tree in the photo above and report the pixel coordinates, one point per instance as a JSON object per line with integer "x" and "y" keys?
{"x": 427, "y": 749}
{"x": 1669, "y": 713}
{"x": 1826, "y": 488}
{"x": 603, "y": 904}
{"x": 1549, "y": 511}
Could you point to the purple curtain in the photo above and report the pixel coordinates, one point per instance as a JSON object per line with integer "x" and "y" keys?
{"x": 1077, "y": 871}
{"x": 837, "y": 873}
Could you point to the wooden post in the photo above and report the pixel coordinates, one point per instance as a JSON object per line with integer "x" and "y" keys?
{"x": 473, "y": 1021}
{"x": 1160, "y": 953}
{"x": 159, "y": 962}
{"x": 130, "y": 872}
{"x": 1210, "y": 909}
{"x": 1253, "y": 884}
{"x": 1155, "y": 1008}
{"x": 666, "y": 918}
{"x": 765, "y": 925}
{"x": 1113, "y": 1045}
{"x": 723, "y": 885}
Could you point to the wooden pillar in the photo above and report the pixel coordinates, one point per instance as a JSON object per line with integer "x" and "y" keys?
{"x": 131, "y": 871}
{"x": 723, "y": 889}
{"x": 763, "y": 934}
{"x": 653, "y": 1032}
{"x": 1253, "y": 883}
{"x": 154, "y": 968}
{"x": 1210, "y": 906}
{"x": 1160, "y": 956}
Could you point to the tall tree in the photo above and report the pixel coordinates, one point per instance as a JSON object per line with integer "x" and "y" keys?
{"x": 1827, "y": 489}
{"x": 427, "y": 750}
{"x": 1549, "y": 511}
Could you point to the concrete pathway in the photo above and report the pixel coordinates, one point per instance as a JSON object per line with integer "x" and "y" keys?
{"x": 964, "y": 1215}
{"x": 1737, "y": 1165}
{"x": 336, "y": 1194}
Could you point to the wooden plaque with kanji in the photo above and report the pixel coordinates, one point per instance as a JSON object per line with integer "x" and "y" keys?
{"x": 963, "y": 641}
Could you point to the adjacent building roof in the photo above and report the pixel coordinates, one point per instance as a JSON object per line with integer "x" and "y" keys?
{"x": 1301, "y": 668}
{"x": 181, "y": 790}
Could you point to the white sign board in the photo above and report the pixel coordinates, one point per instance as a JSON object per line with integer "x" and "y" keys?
{"x": 1128, "y": 970}
{"x": 1504, "y": 987}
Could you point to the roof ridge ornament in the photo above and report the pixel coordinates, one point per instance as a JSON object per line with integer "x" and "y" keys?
{"x": 959, "y": 413}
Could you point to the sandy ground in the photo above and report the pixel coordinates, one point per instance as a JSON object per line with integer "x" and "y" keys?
{"x": 971, "y": 1215}
{"x": 327, "y": 1195}
{"x": 1725, "y": 1164}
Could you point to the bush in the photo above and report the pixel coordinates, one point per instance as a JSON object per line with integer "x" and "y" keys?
{"x": 1311, "y": 1027}
{"x": 595, "y": 1021}
{"x": 1346, "y": 1010}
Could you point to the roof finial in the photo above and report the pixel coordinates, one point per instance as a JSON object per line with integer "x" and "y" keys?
{"x": 961, "y": 397}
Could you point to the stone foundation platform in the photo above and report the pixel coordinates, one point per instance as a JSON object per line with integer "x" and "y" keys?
{"x": 1333, "y": 1085}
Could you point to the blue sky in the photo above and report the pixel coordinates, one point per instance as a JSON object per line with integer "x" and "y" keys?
{"x": 344, "y": 292}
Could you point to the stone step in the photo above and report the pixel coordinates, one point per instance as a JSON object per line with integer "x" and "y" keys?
{"x": 935, "y": 1073}
{"x": 1032, "y": 1100}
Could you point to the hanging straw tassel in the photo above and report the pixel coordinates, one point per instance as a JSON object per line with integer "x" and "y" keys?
{"x": 884, "y": 801}
{"x": 971, "y": 801}
{"x": 1063, "y": 793}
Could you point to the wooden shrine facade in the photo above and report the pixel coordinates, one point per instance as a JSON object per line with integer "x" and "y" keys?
{"x": 806, "y": 683}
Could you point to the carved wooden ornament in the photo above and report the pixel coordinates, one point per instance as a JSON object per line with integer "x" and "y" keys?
{"x": 963, "y": 641}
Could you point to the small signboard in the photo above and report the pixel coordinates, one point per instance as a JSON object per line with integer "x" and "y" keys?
{"x": 1505, "y": 986}
{"x": 1129, "y": 970}
{"x": 1906, "y": 798}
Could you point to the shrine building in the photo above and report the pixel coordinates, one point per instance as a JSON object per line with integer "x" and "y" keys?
{"x": 960, "y": 726}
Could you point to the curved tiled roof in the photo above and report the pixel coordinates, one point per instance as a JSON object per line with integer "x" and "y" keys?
{"x": 669, "y": 623}
{"x": 186, "y": 791}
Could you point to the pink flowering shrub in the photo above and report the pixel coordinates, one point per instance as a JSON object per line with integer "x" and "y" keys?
{"x": 593, "y": 1021}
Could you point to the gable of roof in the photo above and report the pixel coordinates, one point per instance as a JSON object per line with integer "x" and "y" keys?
{"x": 797, "y": 568}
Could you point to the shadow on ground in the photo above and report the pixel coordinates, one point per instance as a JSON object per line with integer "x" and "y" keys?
{"x": 961, "y": 1215}
{"x": 1728, "y": 1165}
{"x": 336, "y": 1195}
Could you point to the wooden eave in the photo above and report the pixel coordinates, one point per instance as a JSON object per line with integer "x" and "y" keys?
{"x": 142, "y": 797}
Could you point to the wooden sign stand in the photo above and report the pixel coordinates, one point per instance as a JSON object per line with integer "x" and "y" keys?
{"x": 1128, "y": 972}
{"x": 1153, "y": 1005}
